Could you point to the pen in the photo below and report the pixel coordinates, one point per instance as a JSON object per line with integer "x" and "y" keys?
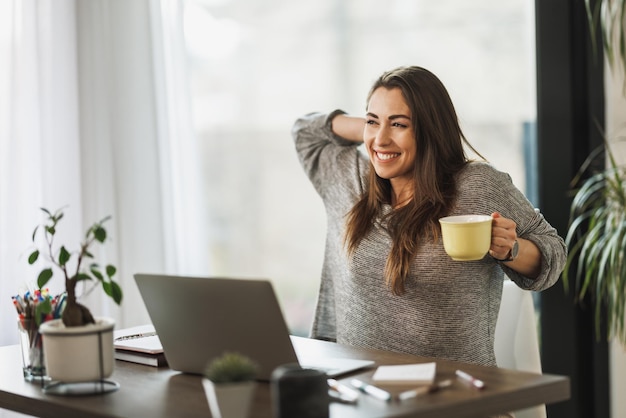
{"x": 347, "y": 394}
{"x": 134, "y": 336}
{"x": 371, "y": 390}
{"x": 467, "y": 378}
{"x": 424, "y": 390}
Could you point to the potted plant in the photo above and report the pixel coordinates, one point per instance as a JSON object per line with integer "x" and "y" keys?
{"x": 229, "y": 385}
{"x": 597, "y": 229}
{"x": 77, "y": 347}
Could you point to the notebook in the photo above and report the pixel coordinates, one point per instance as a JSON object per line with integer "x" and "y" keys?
{"x": 200, "y": 318}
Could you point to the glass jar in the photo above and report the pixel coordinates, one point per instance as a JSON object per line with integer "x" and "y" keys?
{"x": 31, "y": 343}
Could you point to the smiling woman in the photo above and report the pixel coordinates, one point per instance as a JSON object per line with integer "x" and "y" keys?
{"x": 386, "y": 281}
{"x": 256, "y": 66}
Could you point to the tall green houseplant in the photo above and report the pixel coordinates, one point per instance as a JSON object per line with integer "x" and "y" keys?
{"x": 597, "y": 230}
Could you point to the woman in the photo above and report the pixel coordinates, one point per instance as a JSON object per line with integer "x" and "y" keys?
{"x": 387, "y": 282}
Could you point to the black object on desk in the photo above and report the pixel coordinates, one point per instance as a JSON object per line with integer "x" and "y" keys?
{"x": 299, "y": 392}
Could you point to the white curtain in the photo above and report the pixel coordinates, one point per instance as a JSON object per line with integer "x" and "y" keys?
{"x": 86, "y": 123}
{"x": 39, "y": 152}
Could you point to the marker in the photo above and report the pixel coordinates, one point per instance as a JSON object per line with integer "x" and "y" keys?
{"x": 467, "y": 378}
{"x": 346, "y": 393}
{"x": 424, "y": 390}
{"x": 371, "y": 390}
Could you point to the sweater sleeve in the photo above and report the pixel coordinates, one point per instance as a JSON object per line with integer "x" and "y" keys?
{"x": 553, "y": 253}
{"x": 322, "y": 153}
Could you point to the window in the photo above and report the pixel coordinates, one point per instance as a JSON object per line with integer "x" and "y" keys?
{"x": 257, "y": 66}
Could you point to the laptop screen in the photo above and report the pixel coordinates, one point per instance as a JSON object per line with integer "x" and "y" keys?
{"x": 198, "y": 319}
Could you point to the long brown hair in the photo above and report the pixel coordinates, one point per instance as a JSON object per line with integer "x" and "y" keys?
{"x": 440, "y": 156}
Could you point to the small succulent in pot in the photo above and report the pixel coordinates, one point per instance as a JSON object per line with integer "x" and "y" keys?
{"x": 231, "y": 367}
{"x": 74, "y": 313}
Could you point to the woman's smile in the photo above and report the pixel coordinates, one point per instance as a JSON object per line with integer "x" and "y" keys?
{"x": 386, "y": 156}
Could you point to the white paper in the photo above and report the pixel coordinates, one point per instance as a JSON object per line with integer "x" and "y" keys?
{"x": 406, "y": 373}
{"x": 147, "y": 344}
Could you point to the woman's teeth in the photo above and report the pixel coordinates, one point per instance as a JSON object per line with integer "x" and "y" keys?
{"x": 386, "y": 156}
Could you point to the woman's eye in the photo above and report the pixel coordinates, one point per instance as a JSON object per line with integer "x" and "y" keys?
{"x": 399, "y": 125}
{"x": 370, "y": 122}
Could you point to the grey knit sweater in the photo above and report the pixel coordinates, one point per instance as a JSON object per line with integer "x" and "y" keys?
{"x": 450, "y": 308}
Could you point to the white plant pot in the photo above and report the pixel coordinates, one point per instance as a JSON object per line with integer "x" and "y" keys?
{"x": 78, "y": 354}
{"x": 229, "y": 400}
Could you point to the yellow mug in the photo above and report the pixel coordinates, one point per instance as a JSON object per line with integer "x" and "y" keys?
{"x": 466, "y": 237}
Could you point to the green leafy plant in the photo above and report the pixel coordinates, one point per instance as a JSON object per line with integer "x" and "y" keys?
{"x": 597, "y": 229}
{"x": 231, "y": 367}
{"x": 74, "y": 313}
{"x": 597, "y": 240}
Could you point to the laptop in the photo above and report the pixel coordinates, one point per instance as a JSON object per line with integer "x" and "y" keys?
{"x": 200, "y": 318}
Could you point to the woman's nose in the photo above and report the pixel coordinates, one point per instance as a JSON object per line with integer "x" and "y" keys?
{"x": 382, "y": 136}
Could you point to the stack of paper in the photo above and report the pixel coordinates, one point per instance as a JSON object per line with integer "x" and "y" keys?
{"x": 421, "y": 373}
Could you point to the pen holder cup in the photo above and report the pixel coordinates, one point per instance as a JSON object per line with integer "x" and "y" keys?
{"x": 298, "y": 392}
{"x": 31, "y": 346}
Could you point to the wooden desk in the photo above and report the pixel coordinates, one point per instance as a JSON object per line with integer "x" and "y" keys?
{"x": 150, "y": 392}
